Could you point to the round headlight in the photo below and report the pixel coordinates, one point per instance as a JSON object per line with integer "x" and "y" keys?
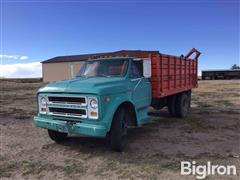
{"x": 43, "y": 101}
{"x": 93, "y": 103}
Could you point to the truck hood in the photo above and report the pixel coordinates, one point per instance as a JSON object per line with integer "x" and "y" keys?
{"x": 87, "y": 85}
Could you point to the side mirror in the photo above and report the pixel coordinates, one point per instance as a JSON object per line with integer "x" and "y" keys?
{"x": 147, "y": 68}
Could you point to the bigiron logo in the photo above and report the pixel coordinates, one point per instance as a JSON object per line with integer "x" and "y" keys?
{"x": 202, "y": 171}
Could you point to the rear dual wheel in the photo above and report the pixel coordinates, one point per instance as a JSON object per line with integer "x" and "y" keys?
{"x": 171, "y": 104}
{"x": 183, "y": 105}
{"x": 179, "y": 105}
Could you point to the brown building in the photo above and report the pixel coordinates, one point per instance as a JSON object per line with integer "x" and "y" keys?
{"x": 56, "y": 71}
{"x": 66, "y": 67}
{"x": 221, "y": 74}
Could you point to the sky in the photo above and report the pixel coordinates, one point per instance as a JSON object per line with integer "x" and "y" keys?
{"x": 33, "y": 31}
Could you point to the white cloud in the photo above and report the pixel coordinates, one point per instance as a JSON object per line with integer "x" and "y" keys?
{"x": 8, "y": 56}
{"x": 21, "y": 70}
{"x": 15, "y": 57}
{"x": 23, "y": 57}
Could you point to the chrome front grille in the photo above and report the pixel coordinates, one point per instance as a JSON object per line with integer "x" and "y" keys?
{"x": 68, "y": 112}
{"x": 67, "y": 100}
{"x": 68, "y": 106}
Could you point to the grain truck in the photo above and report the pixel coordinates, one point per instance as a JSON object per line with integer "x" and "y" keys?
{"x": 113, "y": 91}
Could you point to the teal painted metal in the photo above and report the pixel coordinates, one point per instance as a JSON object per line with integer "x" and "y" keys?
{"x": 117, "y": 89}
{"x": 77, "y": 128}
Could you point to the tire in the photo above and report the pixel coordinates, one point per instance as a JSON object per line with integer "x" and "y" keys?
{"x": 156, "y": 107}
{"x": 171, "y": 104}
{"x": 159, "y": 104}
{"x": 183, "y": 102}
{"x": 118, "y": 130}
{"x": 57, "y": 136}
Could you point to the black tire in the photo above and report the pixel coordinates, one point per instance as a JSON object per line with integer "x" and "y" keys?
{"x": 159, "y": 104}
{"x": 183, "y": 102}
{"x": 171, "y": 104}
{"x": 57, "y": 136}
{"x": 118, "y": 130}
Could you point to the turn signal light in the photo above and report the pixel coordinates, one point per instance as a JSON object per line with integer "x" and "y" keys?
{"x": 93, "y": 114}
{"x": 43, "y": 109}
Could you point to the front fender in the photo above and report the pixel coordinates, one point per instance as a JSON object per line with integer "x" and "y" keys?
{"x": 111, "y": 107}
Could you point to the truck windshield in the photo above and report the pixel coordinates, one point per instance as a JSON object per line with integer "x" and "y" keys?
{"x": 105, "y": 68}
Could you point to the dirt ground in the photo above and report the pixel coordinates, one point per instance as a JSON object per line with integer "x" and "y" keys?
{"x": 154, "y": 151}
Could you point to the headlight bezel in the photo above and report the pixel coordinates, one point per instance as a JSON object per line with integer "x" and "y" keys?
{"x": 93, "y": 103}
{"x": 43, "y": 104}
{"x": 93, "y": 109}
{"x": 42, "y": 108}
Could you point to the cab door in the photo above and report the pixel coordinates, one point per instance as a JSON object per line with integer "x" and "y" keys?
{"x": 140, "y": 86}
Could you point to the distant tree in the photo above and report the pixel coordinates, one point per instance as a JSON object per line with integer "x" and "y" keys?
{"x": 235, "y": 66}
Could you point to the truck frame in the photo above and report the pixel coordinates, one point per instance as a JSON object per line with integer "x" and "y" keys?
{"x": 106, "y": 101}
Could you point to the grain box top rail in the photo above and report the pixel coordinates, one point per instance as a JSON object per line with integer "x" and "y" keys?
{"x": 125, "y": 53}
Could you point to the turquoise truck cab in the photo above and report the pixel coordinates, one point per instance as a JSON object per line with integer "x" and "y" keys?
{"x": 106, "y": 97}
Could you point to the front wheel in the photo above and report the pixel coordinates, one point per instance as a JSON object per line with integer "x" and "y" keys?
{"x": 118, "y": 130}
{"x": 57, "y": 136}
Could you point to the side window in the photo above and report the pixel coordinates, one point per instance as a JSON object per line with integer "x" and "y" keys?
{"x": 136, "y": 69}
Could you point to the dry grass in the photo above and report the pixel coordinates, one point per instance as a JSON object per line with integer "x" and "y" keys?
{"x": 154, "y": 151}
